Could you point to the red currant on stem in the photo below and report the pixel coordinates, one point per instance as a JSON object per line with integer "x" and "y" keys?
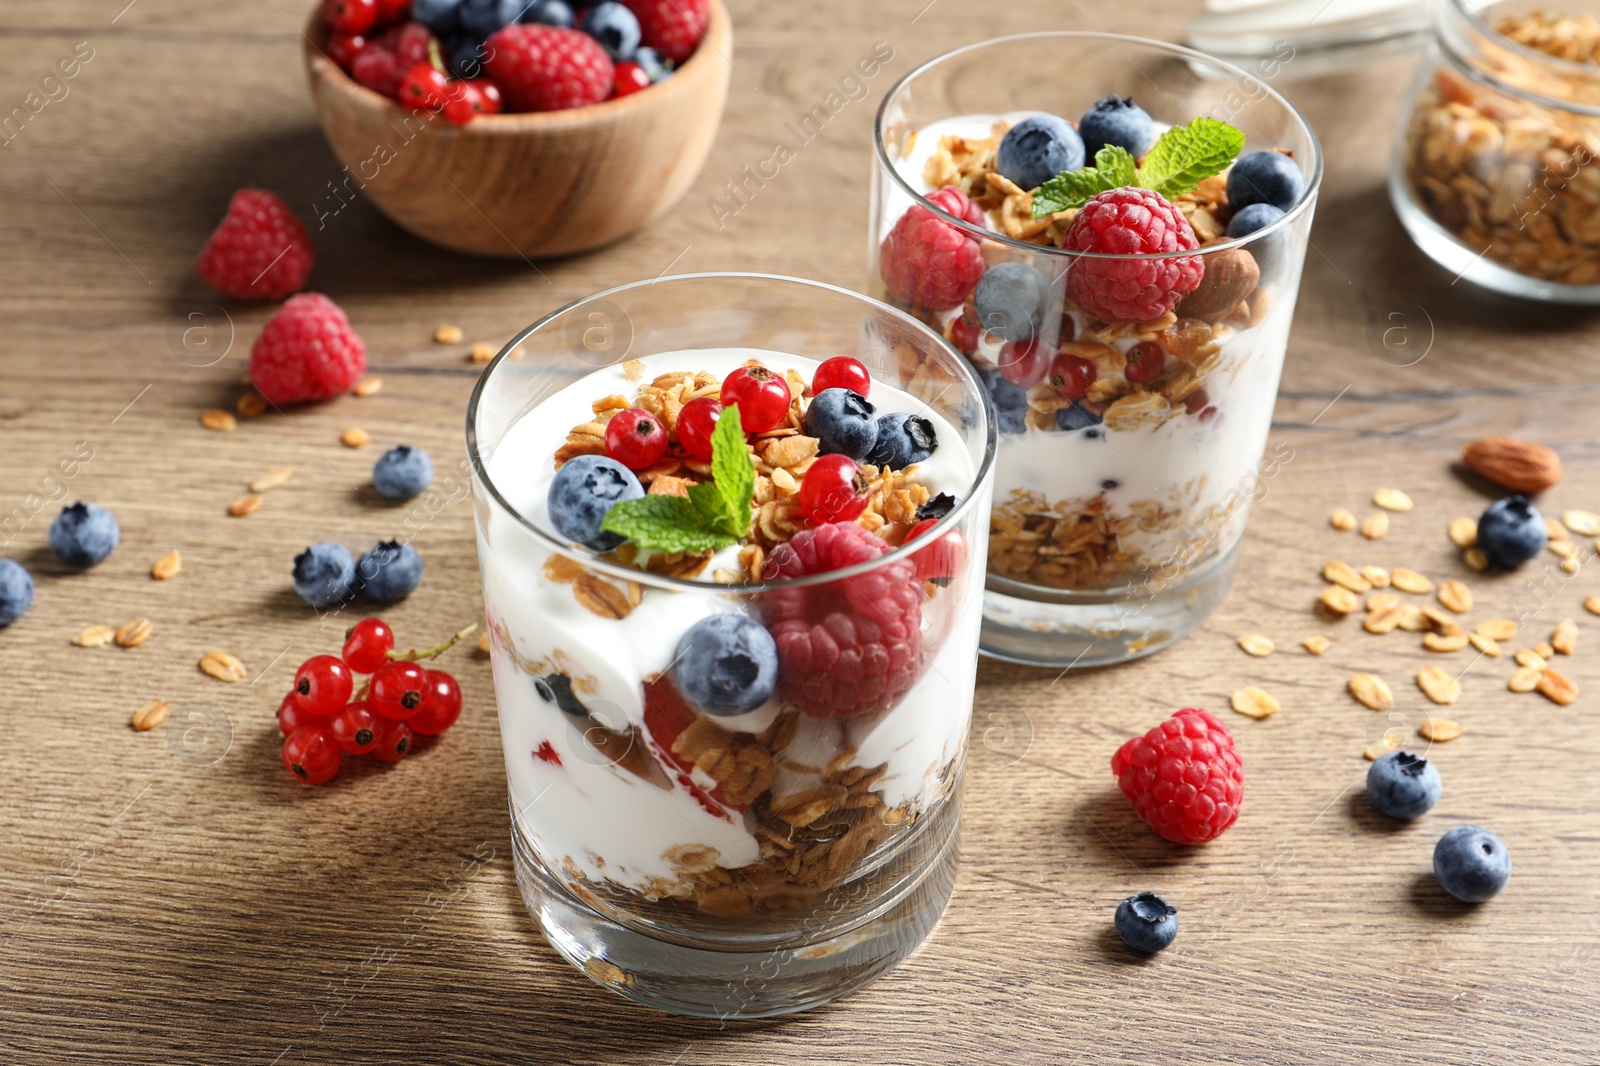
{"x": 322, "y": 685}
{"x": 398, "y": 690}
{"x": 695, "y": 423}
{"x": 425, "y": 85}
{"x": 354, "y": 729}
{"x": 1023, "y": 363}
{"x": 353, "y": 16}
{"x": 833, "y": 490}
{"x": 367, "y": 645}
{"x": 1071, "y": 375}
{"x": 841, "y": 372}
{"x": 290, "y": 716}
{"x": 636, "y": 438}
{"x": 762, "y": 396}
{"x": 630, "y": 79}
{"x": 442, "y": 708}
{"x": 941, "y": 560}
{"x": 311, "y": 755}
{"x": 1145, "y": 361}
{"x": 394, "y": 740}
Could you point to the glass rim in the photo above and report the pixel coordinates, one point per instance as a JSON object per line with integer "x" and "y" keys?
{"x": 663, "y": 581}
{"x": 1313, "y": 179}
{"x": 1472, "y": 15}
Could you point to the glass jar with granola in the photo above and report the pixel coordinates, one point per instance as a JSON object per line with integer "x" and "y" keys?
{"x": 731, "y": 531}
{"x": 1113, "y": 239}
{"x": 1493, "y": 171}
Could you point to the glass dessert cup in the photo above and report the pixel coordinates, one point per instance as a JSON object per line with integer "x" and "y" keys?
{"x": 1118, "y": 506}
{"x": 748, "y": 864}
{"x": 1491, "y": 172}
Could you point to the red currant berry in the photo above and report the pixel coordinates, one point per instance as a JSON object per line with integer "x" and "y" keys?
{"x": 353, "y": 16}
{"x": 394, "y": 740}
{"x": 398, "y": 690}
{"x": 1197, "y": 401}
{"x": 630, "y": 79}
{"x": 290, "y": 716}
{"x": 322, "y": 685}
{"x": 1023, "y": 363}
{"x": 425, "y": 85}
{"x": 463, "y": 103}
{"x": 354, "y": 729}
{"x": 964, "y": 335}
{"x": 941, "y": 560}
{"x": 490, "y": 102}
{"x": 1145, "y": 361}
{"x": 342, "y": 48}
{"x": 393, "y": 11}
{"x": 762, "y": 396}
{"x": 695, "y": 423}
{"x": 444, "y": 706}
{"x": 833, "y": 490}
{"x": 841, "y": 372}
{"x": 636, "y": 438}
{"x": 367, "y": 645}
{"x": 1071, "y": 375}
{"x": 311, "y": 755}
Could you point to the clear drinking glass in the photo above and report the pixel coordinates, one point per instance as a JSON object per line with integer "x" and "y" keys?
{"x": 772, "y": 861}
{"x": 1117, "y": 515}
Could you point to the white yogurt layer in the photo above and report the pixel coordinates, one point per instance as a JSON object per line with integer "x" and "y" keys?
{"x": 611, "y": 823}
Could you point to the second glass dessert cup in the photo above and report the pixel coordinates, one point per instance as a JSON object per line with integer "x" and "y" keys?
{"x": 1130, "y": 448}
{"x": 728, "y": 864}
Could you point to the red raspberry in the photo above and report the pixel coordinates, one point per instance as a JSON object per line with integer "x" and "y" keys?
{"x": 545, "y": 68}
{"x": 379, "y": 69}
{"x": 672, "y": 27}
{"x": 307, "y": 351}
{"x": 259, "y": 251}
{"x": 1184, "y": 777}
{"x": 409, "y": 43}
{"x": 925, "y": 261}
{"x": 851, "y": 647}
{"x": 1131, "y": 221}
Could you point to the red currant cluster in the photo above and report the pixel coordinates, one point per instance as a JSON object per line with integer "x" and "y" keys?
{"x": 373, "y": 41}
{"x": 400, "y": 701}
{"x": 637, "y": 439}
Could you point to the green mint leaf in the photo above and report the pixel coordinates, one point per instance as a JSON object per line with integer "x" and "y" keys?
{"x": 1113, "y": 168}
{"x": 664, "y": 523}
{"x": 1187, "y": 155}
{"x": 733, "y": 472}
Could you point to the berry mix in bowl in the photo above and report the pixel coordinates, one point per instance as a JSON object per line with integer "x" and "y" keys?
{"x": 732, "y": 572}
{"x": 1115, "y": 247}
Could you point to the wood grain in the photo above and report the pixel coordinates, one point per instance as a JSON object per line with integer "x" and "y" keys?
{"x": 173, "y": 897}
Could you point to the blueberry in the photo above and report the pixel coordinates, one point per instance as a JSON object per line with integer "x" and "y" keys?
{"x": 615, "y": 27}
{"x": 1009, "y": 300}
{"x": 654, "y": 63}
{"x": 16, "y": 591}
{"x": 1265, "y": 178}
{"x": 937, "y": 507}
{"x": 903, "y": 439}
{"x": 390, "y": 571}
{"x": 482, "y": 17}
{"x": 1472, "y": 864}
{"x": 1512, "y": 531}
{"x": 549, "y": 13}
{"x": 440, "y": 16}
{"x": 1116, "y": 120}
{"x": 466, "y": 57}
{"x": 1010, "y": 401}
{"x": 1076, "y": 417}
{"x": 1147, "y": 922}
{"x": 1037, "y": 149}
{"x": 1403, "y": 785}
{"x": 402, "y": 472}
{"x": 1251, "y": 218}
{"x": 727, "y": 664}
{"x": 83, "y": 534}
{"x": 324, "y": 574}
{"x": 583, "y": 491}
{"x": 843, "y": 422}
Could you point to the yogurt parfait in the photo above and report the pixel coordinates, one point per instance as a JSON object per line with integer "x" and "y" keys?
{"x": 732, "y": 574}
{"x": 1116, "y": 250}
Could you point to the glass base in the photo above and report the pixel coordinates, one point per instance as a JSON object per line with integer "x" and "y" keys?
{"x": 1048, "y": 627}
{"x": 719, "y": 978}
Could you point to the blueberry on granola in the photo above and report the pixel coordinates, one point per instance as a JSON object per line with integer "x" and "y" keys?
{"x": 1116, "y": 120}
{"x": 843, "y": 422}
{"x": 1010, "y": 401}
{"x": 903, "y": 439}
{"x": 583, "y": 490}
{"x": 1252, "y": 217}
{"x": 1010, "y": 299}
{"x": 1076, "y": 416}
{"x": 1265, "y": 178}
{"x": 727, "y": 664}
{"x": 1037, "y": 149}
{"x": 937, "y": 507}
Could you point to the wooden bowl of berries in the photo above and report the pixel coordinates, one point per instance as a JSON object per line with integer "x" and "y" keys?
{"x": 514, "y": 128}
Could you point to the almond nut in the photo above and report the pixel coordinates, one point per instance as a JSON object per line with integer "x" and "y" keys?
{"x": 1230, "y": 277}
{"x": 1519, "y": 465}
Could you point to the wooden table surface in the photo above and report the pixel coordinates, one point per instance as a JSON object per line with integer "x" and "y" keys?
{"x": 173, "y": 897}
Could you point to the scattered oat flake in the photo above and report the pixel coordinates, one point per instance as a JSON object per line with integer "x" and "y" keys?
{"x": 1375, "y": 526}
{"x": 1583, "y": 523}
{"x": 1439, "y": 622}
{"x": 354, "y": 438}
{"x": 1497, "y": 628}
{"x": 1475, "y": 559}
{"x": 1382, "y": 746}
{"x": 1544, "y": 650}
{"x": 1371, "y": 691}
{"x": 1339, "y": 600}
{"x": 1379, "y": 601}
{"x": 219, "y": 420}
{"x": 1384, "y": 620}
{"x": 448, "y": 334}
{"x": 1530, "y": 658}
{"x": 1564, "y": 548}
{"x": 1408, "y": 580}
{"x": 149, "y": 716}
{"x": 134, "y": 633}
{"x": 1439, "y": 730}
{"x": 1485, "y": 644}
{"x": 1342, "y": 519}
{"x": 1439, "y": 642}
{"x": 1392, "y": 500}
{"x": 1455, "y": 596}
{"x": 1570, "y": 564}
{"x": 1525, "y": 679}
{"x": 1376, "y": 576}
{"x": 1438, "y": 685}
{"x": 1257, "y": 645}
{"x": 1463, "y": 532}
{"x": 95, "y": 637}
{"x": 483, "y": 642}
{"x": 1343, "y": 574}
{"x": 1554, "y": 529}
{"x": 367, "y": 386}
{"x": 482, "y": 352}
{"x": 166, "y": 568}
{"x": 1565, "y": 638}
{"x": 1253, "y": 702}
{"x": 1412, "y": 619}
{"x": 1557, "y": 688}
{"x": 1592, "y": 605}
{"x": 251, "y": 405}
{"x": 1316, "y": 644}
{"x": 246, "y": 505}
{"x": 222, "y": 666}
{"x": 272, "y": 479}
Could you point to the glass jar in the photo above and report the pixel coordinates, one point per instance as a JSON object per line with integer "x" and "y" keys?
{"x": 1492, "y": 171}
{"x": 1122, "y": 484}
{"x": 764, "y": 857}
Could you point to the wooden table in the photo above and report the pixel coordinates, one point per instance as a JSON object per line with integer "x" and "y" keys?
{"x": 174, "y": 897}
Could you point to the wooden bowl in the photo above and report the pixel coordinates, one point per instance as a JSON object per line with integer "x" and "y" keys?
{"x": 528, "y": 185}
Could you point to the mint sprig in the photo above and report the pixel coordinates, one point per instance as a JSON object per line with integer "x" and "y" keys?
{"x": 1180, "y": 160}
{"x": 714, "y": 514}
